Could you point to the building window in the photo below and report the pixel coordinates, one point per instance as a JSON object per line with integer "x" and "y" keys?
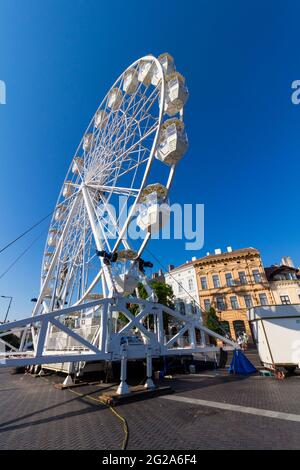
{"x": 229, "y": 280}
{"x": 180, "y": 287}
{"x": 193, "y": 308}
{"x": 285, "y": 300}
{"x": 203, "y": 281}
{"x": 191, "y": 284}
{"x": 180, "y": 306}
{"x": 216, "y": 281}
{"x": 256, "y": 276}
{"x": 239, "y": 327}
{"x": 206, "y": 305}
{"x": 234, "y": 302}
{"x": 248, "y": 301}
{"x": 263, "y": 299}
{"x": 242, "y": 277}
{"x": 221, "y": 303}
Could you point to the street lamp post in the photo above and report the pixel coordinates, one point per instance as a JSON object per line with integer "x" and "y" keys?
{"x": 9, "y": 305}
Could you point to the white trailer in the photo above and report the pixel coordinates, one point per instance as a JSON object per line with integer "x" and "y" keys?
{"x": 276, "y": 331}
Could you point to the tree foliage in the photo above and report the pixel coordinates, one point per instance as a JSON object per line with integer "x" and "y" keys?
{"x": 212, "y": 322}
{"x": 163, "y": 291}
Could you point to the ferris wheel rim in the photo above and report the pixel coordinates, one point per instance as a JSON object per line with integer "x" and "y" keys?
{"x": 162, "y": 97}
{"x": 150, "y": 159}
{"x": 155, "y": 140}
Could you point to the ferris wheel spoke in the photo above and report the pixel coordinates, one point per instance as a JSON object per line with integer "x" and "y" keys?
{"x": 148, "y": 134}
{"x": 111, "y": 168}
{"x": 151, "y": 99}
{"x": 125, "y": 111}
{"x": 117, "y": 190}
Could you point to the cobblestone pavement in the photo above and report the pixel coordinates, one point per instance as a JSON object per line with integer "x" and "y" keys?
{"x": 35, "y": 415}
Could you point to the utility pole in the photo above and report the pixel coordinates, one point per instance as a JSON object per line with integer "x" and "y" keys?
{"x": 9, "y": 305}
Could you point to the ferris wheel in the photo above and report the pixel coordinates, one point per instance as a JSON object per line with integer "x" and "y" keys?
{"x": 110, "y": 201}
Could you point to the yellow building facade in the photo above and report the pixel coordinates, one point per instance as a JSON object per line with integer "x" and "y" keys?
{"x": 232, "y": 282}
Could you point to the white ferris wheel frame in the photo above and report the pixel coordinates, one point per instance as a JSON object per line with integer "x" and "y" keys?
{"x": 104, "y": 273}
{"x": 75, "y": 347}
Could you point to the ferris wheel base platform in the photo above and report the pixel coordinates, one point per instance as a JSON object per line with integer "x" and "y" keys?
{"x": 136, "y": 394}
{"x": 113, "y": 347}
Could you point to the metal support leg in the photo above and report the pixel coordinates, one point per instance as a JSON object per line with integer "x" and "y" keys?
{"x": 123, "y": 387}
{"x": 68, "y": 380}
{"x": 149, "y": 382}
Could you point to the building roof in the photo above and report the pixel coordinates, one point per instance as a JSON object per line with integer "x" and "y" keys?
{"x": 271, "y": 271}
{"x": 188, "y": 263}
{"x": 226, "y": 254}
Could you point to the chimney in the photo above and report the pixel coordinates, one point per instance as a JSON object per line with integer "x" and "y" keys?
{"x": 208, "y": 253}
{"x": 171, "y": 267}
{"x": 194, "y": 258}
{"x": 229, "y": 249}
{"x": 218, "y": 251}
{"x": 287, "y": 261}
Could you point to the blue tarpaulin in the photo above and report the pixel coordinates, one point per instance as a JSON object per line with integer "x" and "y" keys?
{"x": 240, "y": 364}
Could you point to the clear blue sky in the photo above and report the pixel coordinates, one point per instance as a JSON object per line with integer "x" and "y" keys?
{"x": 59, "y": 57}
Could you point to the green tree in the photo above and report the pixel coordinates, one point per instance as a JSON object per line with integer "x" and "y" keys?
{"x": 165, "y": 297}
{"x": 163, "y": 291}
{"x": 212, "y": 322}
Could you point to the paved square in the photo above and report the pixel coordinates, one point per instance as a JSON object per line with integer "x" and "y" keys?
{"x": 35, "y": 415}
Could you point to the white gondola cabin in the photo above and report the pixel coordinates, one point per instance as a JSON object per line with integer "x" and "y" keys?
{"x": 48, "y": 293}
{"x": 125, "y": 271}
{"x": 53, "y": 237}
{"x": 126, "y": 283}
{"x": 167, "y": 63}
{"x": 146, "y": 71}
{"x": 100, "y": 119}
{"x": 60, "y": 211}
{"x": 69, "y": 189}
{"x": 47, "y": 262}
{"x": 46, "y": 266}
{"x": 154, "y": 211}
{"x": 176, "y": 93}
{"x": 88, "y": 141}
{"x": 173, "y": 142}
{"x": 130, "y": 83}
{"x": 77, "y": 165}
{"x": 114, "y": 98}
{"x": 168, "y": 66}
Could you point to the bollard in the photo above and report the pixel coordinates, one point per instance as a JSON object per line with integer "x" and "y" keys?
{"x": 123, "y": 387}
{"x": 149, "y": 382}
